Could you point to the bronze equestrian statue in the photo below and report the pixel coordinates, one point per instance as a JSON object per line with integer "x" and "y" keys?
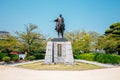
{"x": 60, "y": 26}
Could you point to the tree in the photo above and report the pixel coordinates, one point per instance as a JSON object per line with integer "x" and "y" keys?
{"x": 101, "y": 43}
{"x": 30, "y": 40}
{"x": 8, "y": 44}
{"x": 82, "y": 41}
{"x": 113, "y": 37}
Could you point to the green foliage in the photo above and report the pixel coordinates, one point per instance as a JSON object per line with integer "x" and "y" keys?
{"x": 14, "y": 57}
{"x": 76, "y": 52}
{"x": 86, "y": 56}
{"x": 6, "y": 59}
{"x": 116, "y": 32}
{"x": 3, "y": 55}
{"x": 31, "y": 40}
{"x": 108, "y": 58}
{"x": 109, "y": 31}
{"x": 8, "y": 44}
{"x": 31, "y": 58}
{"x": 113, "y": 36}
{"x": 39, "y": 55}
{"x": 102, "y": 58}
{"x": 115, "y": 24}
{"x": 82, "y": 40}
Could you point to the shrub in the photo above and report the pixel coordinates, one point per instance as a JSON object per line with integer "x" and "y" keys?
{"x": 108, "y": 58}
{"x": 102, "y": 58}
{"x": 6, "y": 59}
{"x": 76, "y": 53}
{"x": 86, "y": 56}
{"x": 115, "y": 59}
{"x": 14, "y": 57}
{"x": 31, "y": 58}
{"x": 3, "y": 55}
{"x": 39, "y": 55}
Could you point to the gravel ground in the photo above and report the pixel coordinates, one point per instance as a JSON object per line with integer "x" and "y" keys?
{"x": 14, "y": 73}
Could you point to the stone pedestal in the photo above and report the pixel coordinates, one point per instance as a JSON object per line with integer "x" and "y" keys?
{"x": 59, "y": 50}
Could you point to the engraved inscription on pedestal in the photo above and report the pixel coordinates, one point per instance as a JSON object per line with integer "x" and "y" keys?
{"x": 59, "y": 50}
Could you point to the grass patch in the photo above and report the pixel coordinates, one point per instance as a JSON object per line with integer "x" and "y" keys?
{"x": 77, "y": 66}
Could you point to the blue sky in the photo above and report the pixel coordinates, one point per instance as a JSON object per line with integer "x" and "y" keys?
{"x": 90, "y": 15}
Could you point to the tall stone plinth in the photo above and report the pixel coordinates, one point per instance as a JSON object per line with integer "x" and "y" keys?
{"x": 59, "y": 50}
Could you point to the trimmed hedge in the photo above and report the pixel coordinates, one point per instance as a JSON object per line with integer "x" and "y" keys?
{"x": 102, "y": 58}
{"x": 3, "y": 55}
{"x": 87, "y": 56}
{"x": 14, "y": 57}
{"x": 6, "y": 59}
{"x": 39, "y": 56}
{"x": 31, "y": 58}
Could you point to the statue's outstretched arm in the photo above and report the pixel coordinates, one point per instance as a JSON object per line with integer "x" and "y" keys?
{"x": 56, "y": 20}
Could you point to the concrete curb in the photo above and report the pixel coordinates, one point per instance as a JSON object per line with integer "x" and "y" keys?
{"x": 17, "y": 64}
{"x": 96, "y": 63}
{"x": 84, "y": 61}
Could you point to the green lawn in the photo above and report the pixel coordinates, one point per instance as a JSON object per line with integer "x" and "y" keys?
{"x": 77, "y": 66}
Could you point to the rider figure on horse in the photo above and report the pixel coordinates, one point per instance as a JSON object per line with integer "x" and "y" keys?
{"x": 60, "y": 22}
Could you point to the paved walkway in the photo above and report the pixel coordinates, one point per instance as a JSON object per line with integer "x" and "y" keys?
{"x": 14, "y": 73}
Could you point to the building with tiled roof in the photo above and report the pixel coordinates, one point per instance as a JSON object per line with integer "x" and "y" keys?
{"x": 4, "y": 34}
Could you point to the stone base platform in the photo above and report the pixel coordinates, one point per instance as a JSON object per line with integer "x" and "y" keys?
{"x": 59, "y": 50}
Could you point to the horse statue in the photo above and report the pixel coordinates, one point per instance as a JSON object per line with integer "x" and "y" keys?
{"x": 60, "y": 30}
{"x": 60, "y": 26}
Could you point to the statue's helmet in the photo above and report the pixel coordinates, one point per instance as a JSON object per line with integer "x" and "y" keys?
{"x": 60, "y": 15}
